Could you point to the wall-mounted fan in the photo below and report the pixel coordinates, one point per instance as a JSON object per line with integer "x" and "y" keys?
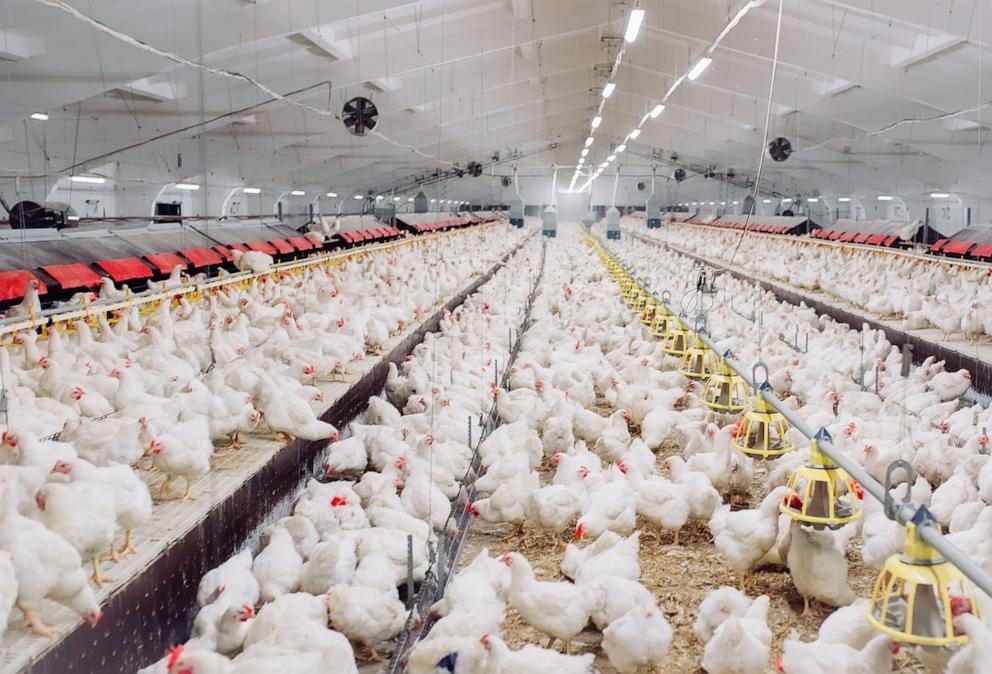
{"x": 506, "y": 181}
{"x": 641, "y": 187}
{"x": 474, "y": 169}
{"x": 679, "y": 175}
{"x": 780, "y": 149}
{"x": 360, "y": 115}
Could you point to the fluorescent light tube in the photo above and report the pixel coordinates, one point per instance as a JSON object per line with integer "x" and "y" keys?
{"x": 700, "y": 67}
{"x": 608, "y": 89}
{"x": 634, "y": 25}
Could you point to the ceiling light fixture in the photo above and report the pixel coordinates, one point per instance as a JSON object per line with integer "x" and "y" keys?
{"x": 188, "y": 187}
{"x": 621, "y": 148}
{"x": 589, "y": 141}
{"x": 596, "y": 121}
{"x": 885, "y": 198}
{"x": 939, "y": 195}
{"x": 843, "y": 200}
{"x": 608, "y": 89}
{"x": 634, "y": 25}
{"x": 585, "y": 151}
{"x": 766, "y": 201}
{"x": 658, "y": 109}
{"x": 700, "y": 67}
{"x": 298, "y": 193}
{"x": 358, "y": 197}
{"x": 39, "y": 116}
{"x": 635, "y": 133}
{"x": 332, "y": 194}
{"x": 252, "y": 190}
{"x": 812, "y": 200}
{"x": 612, "y": 157}
{"x": 90, "y": 180}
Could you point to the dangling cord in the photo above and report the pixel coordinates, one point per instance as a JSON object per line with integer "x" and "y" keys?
{"x": 616, "y": 182}
{"x": 764, "y": 143}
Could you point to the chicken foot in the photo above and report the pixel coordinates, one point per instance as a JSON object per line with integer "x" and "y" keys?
{"x": 114, "y": 556}
{"x": 189, "y": 488}
{"x": 35, "y": 623}
{"x": 165, "y": 487}
{"x": 235, "y": 440}
{"x": 128, "y": 548}
{"x": 98, "y": 579}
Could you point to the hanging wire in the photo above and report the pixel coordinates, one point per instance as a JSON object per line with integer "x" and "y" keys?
{"x": 764, "y": 143}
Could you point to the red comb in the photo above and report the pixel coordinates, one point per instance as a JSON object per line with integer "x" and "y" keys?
{"x": 175, "y": 652}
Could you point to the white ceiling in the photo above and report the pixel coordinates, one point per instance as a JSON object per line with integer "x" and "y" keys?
{"x": 457, "y": 80}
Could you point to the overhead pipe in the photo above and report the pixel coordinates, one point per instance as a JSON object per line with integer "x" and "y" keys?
{"x": 902, "y": 512}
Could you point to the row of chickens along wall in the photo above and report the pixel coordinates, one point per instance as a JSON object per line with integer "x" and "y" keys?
{"x": 327, "y": 577}
{"x": 140, "y": 407}
{"x": 954, "y": 299}
{"x": 256, "y": 262}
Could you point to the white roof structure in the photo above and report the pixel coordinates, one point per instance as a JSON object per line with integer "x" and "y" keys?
{"x": 877, "y": 97}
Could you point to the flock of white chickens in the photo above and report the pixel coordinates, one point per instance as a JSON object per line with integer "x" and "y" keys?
{"x": 99, "y": 417}
{"x": 557, "y": 464}
{"x": 954, "y": 299}
{"x": 324, "y": 584}
{"x": 140, "y": 403}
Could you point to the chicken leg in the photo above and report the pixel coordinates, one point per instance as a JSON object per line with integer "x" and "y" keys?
{"x": 35, "y": 623}
{"x": 235, "y": 440}
{"x": 165, "y": 487}
{"x": 128, "y": 548}
{"x": 189, "y": 488}
{"x": 114, "y": 556}
{"x": 97, "y": 579}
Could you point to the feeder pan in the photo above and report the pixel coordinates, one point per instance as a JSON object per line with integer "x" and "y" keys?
{"x": 697, "y": 361}
{"x": 763, "y": 431}
{"x": 912, "y": 598}
{"x": 725, "y": 390}
{"x": 677, "y": 340}
{"x": 821, "y": 494}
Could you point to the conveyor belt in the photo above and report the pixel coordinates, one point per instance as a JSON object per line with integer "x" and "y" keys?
{"x": 156, "y": 607}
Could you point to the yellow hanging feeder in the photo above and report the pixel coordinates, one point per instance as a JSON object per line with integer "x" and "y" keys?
{"x": 821, "y": 493}
{"x": 918, "y": 593}
{"x": 677, "y": 339}
{"x": 698, "y": 360}
{"x": 725, "y": 390}
{"x": 763, "y": 431}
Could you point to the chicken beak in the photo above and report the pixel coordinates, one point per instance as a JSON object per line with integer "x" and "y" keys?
{"x": 94, "y": 618}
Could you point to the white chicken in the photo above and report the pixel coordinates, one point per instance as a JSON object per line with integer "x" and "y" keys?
{"x": 741, "y": 644}
{"x": 640, "y": 638}
{"x": 560, "y": 610}
{"x": 744, "y": 536}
